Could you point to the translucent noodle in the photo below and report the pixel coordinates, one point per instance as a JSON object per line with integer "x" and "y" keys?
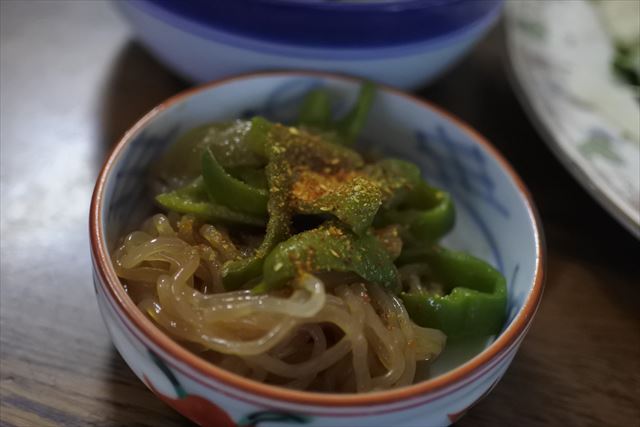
{"x": 313, "y": 335}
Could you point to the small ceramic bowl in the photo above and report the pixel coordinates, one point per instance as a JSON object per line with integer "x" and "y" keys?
{"x": 405, "y": 43}
{"x": 496, "y": 221}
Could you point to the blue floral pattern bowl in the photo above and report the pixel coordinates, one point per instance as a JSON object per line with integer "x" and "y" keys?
{"x": 496, "y": 221}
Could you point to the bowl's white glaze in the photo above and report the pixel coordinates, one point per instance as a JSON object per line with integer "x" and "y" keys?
{"x": 495, "y": 221}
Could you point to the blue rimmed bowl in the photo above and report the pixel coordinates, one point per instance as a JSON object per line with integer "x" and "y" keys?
{"x": 496, "y": 221}
{"x": 405, "y": 43}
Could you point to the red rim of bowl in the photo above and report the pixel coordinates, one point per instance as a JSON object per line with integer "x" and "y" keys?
{"x": 115, "y": 289}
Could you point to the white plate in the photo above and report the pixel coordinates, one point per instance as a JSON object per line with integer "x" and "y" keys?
{"x": 560, "y": 56}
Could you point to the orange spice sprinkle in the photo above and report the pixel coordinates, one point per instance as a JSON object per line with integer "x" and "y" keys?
{"x": 311, "y": 185}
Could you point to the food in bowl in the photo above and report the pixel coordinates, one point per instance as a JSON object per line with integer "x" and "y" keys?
{"x": 288, "y": 257}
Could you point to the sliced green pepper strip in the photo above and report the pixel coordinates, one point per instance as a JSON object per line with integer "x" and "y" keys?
{"x": 329, "y": 248}
{"x": 430, "y": 214}
{"x": 354, "y": 200}
{"x": 258, "y": 135}
{"x": 354, "y": 197}
{"x": 316, "y": 110}
{"x": 193, "y": 199}
{"x": 321, "y": 176}
{"x": 227, "y": 141}
{"x": 250, "y": 175}
{"x": 229, "y": 191}
{"x": 316, "y": 113}
{"x": 301, "y": 148}
{"x": 350, "y": 125}
{"x": 475, "y": 300}
{"x": 286, "y": 149}
{"x": 237, "y": 273}
{"x": 425, "y": 213}
{"x": 397, "y": 179}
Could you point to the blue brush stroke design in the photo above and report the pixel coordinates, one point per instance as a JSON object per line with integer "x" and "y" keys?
{"x": 477, "y": 218}
{"x": 129, "y": 183}
{"x": 510, "y": 286}
{"x": 458, "y": 179}
{"x": 95, "y": 283}
{"x": 430, "y": 153}
{"x": 287, "y": 94}
{"x": 514, "y": 275}
{"x": 470, "y": 170}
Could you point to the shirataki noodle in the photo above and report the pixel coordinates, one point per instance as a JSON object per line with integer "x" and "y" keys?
{"x": 324, "y": 335}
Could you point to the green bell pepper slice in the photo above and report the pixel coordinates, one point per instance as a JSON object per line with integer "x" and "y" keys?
{"x": 229, "y": 191}
{"x": 258, "y": 135}
{"x": 354, "y": 201}
{"x": 285, "y": 149}
{"x": 227, "y": 142}
{"x": 356, "y": 196}
{"x": 350, "y": 126}
{"x": 475, "y": 299}
{"x": 238, "y": 272}
{"x": 250, "y": 175}
{"x": 396, "y": 178}
{"x": 329, "y": 248}
{"x": 298, "y": 144}
{"x": 426, "y": 214}
{"x": 193, "y": 199}
{"x": 315, "y": 111}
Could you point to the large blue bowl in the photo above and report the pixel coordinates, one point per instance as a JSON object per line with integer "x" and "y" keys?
{"x": 404, "y": 43}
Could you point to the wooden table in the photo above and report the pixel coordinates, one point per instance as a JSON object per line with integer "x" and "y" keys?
{"x": 72, "y": 80}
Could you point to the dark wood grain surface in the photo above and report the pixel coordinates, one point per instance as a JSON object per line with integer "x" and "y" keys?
{"x": 72, "y": 80}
